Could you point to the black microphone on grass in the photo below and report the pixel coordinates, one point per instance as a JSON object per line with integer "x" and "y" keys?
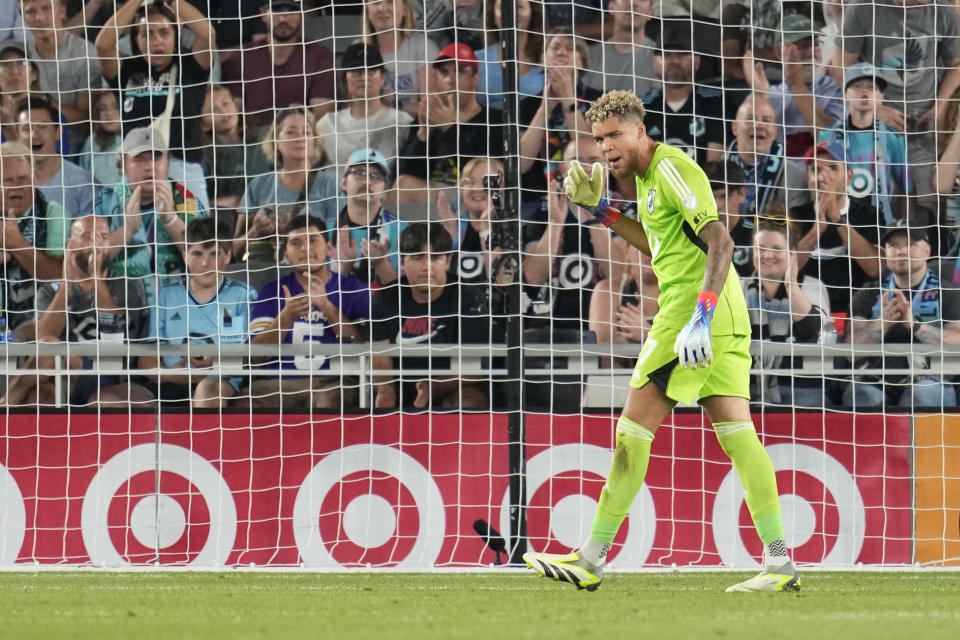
{"x": 492, "y": 538}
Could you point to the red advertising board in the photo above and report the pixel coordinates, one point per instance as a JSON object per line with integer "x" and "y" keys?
{"x": 405, "y": 491}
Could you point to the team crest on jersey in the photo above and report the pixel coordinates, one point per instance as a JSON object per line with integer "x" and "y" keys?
{"x": 690, "y": 202}
{"x": 650, "y": 199}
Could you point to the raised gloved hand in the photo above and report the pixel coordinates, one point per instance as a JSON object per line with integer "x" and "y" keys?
{"x": 586, "y": 191}
{"x": 694, "y": 345}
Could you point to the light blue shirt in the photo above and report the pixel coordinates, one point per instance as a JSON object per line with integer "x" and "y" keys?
{"x": 178, "y": 317}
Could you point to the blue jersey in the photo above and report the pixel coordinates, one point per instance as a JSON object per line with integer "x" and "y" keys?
{"x": 878, "y": 158}
{"x": 349, "y": 295}
{"x": 178, "y": 317}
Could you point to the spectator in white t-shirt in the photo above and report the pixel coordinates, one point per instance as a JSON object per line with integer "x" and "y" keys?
{"x": 365, "y": 122}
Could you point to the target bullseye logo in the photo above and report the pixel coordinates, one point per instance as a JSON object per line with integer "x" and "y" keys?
{"x": 559, "y": 479}
{"x": 369, "y": 504}
{"x": 130, "y": 516}
{"x": 823, "y": 512}
{"x": 13, "y": 518}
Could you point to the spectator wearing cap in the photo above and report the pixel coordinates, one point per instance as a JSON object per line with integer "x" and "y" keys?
{"x": 451, "y": 127}
{"x": 683, "y": 114}
{"x": 157, "y": 67}
{"x": 281, "y": 71}
{"x": 365, "y": 121}
{"x": 624, "y": 61}
{"x": 34, "y": 233}
{"x": 876, "y": 154}
{"x": 529, "y": 53}
{"x": 389, "y": 26}
{"x": 840, "y": 247}
{"x": 18, "y": 78}
{"x": 910, "y": 305}
{"x": 67, "y": 64}
{"x": 770, "y": 177}
{"x": 921, "y": 57}
{"x": 61, "y": 181}
{"x": 295, "y": 150}
{"x": 554, "y": 117}
{"x": 148, "y": 212}
{"x": 806, "y": 100}
{"x": 366, "y": 235}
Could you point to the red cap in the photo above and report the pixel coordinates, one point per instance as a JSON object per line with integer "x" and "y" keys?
{"x": 459, "y": 52}
{"x": 831, "y": 148}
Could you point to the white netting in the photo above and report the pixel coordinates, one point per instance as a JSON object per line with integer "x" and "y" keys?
{"x": 222, "y": 304}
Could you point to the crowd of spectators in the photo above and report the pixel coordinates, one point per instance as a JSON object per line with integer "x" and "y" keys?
{"x": 187, "y": 171}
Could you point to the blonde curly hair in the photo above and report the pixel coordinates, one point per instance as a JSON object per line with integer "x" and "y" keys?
{"x": 615, "y": 103}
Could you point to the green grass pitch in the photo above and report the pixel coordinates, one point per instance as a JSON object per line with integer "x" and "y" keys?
{"x": 495, "y": 606}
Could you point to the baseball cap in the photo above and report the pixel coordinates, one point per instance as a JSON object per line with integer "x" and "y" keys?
{"x": 369, "y": 156}
{"x": 361, "y": 56}
{"x": 677, "y": 39}
{"x": 795, "y": 27}
{"x": 864, "y": 70}
{"x": 459, "y": 52}
{"x": 916, "y": 226}
{"x": 830, "y": 147}
{"x": 143, "y": 139}
{"x": 289, "y": 5}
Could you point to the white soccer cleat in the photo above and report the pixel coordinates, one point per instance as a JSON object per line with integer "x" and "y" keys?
{"x": 782, "y": 578}
{"x": 566, "y": 568}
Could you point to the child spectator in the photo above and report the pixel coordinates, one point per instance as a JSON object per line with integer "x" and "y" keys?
{"x": 99, "y": 153}
{"x": 428, "y": 309}
{"x": 876, "y": 154}
{"x": 310, "y": 305}
{"x": 207, "y": 309}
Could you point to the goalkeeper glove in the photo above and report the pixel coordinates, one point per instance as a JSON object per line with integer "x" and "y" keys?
{"x": 693, "y": 346}
{"x": 586, "y": 192}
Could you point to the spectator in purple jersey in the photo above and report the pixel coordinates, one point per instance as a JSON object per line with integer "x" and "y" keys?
{"x": 311, "y": 304}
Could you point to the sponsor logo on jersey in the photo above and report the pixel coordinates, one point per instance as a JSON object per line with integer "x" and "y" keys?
{"x": 690, "y": 202}
{"x": 651, "y": 197}
{"x": 417, "y": 330}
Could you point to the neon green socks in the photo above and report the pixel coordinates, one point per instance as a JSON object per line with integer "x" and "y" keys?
{"x": 740, "y": 442}
{"x": 630, "y": 459}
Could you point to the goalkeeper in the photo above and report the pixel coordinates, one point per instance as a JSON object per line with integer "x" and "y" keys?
{"x": 699, "y": 345}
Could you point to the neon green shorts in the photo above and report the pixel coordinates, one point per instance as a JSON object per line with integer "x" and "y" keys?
{"x": 727, "y": 375}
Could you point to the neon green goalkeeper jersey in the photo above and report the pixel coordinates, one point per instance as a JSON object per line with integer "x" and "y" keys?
{"x": 675, "y": 203}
